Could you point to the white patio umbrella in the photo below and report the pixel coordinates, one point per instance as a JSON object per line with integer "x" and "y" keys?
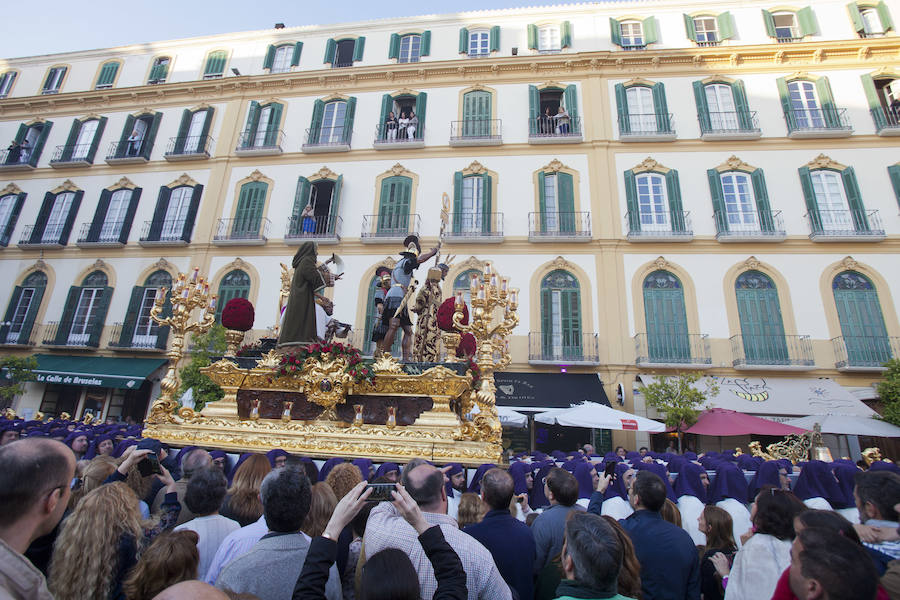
{"x": 511, "y": 418}
{"x": 847, "y": 425}
{"x": 598, "y": 416}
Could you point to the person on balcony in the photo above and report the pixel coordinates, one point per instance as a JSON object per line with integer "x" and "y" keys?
{"x": 404, "y": 124}
{"x": 390, "y": 127}
{"x": 562, "y": 121}
{"x": 134, "y": 143}
{"x": 412, "y": 125}
{"x": 308, "y": 218}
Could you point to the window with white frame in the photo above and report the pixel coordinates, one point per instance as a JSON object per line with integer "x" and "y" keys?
{"x": 479, "y": 42}
{"x": 176, "y": 213}
{"x": 549, "y": 38}
{"x": 740, "y": 206}
{"x": 831, "y": 200}
{"x": 333, "y": 121}
{"x": 54, "y": 80}
{"x": 641, "y": 111}
{"x": 871, "y": 21}
{"x": 472, "y": 208}
{"x": 707, "y": 31}
{"x": 7, "y": 204}
{"x": 786, "y": 26}
{"x": 57, "y": 219}
{"x": 410, "y": 48}
{"x": 720, "y": 102}
{"x": 551, "y": 203}
{"x": 281, "y": 63}
{"x": 632, "y": 34}
{"x": 653, "y": 203}
{"x": 262, "y": 129}
{"x": 145, "y": 328}
{"x": 115, "y": 215}
{"x": 18, "y": 319}
{"x": 807, "y": 112}
{"x": 85, "y": 139}
{"x": 85, "y": 315}
{"x": 6, "y": 83}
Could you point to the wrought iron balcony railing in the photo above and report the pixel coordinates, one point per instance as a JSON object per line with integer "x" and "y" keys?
{"x": 818, "y": 122}
{"x": 554, "y": 128}
{"x": 17, "y": 160}
{"x": 772, "y": 351}
{"x": 555, "y": 226}
{"x": 109, "y": 233}
{"x": 475, "y": 226}
{"x": 188, "y": 147}
{"x": 672, "y": 349}
{"x": 721, "y": 125}
{"x": 135, "y": 341}
{"x": 50, "y": 238}
{"x": 15, "y": 336}
{"x": 129, "y": 151}
{"x": 389, "y": 227}
{"x": 396, "y": 135}
{"x": 673, "y": 226}
{"x": 317, "y": 227}
{"x": 242, "y": 231}
{"x": 887, "y": 120}
{"x": 843, "y": 225}
{"x": 563, "y": 348}
{"x": 78, "y": 337}
{"x": 646, "y": 127}
{"x": 260, "y": 142}
{"x": 327, "y": 138}
{"x": 864, "y": 353}
{"x": 756, "y": 225}
{"x": 72, "y": 155}
{"x": 475, "y": 132}
{"x": 164, "y": 232}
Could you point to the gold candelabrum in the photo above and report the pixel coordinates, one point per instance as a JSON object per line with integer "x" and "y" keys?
{"x": 492, "y": 318}
{"x": 189, "y": 293}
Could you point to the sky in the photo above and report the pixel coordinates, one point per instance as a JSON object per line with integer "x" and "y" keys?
{"x": 58, "y": 26}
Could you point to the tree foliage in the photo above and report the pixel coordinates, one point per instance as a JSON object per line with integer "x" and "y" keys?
{"x": 16, "y": 371}
{"x": 204, "y": 346}
{"x": 889, "y": 392}
{"x": 679, "y": 399}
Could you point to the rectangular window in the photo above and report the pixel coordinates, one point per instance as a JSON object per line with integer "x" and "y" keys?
{"x": 479, "y": 42}
{"x": 85, "y": 314}
{"x": 805, "y": 105}
{"x": 556, "y": 327}
{"x": 333, "y": 120}
{"x": 57, "y": 219}
{"x": 7, "y": 203}
{"x": 834, "y": 210}
{"x": 343, "y": 53}
{"x": 548, "y": 38}
{"x": 159, "y": 71}
{"x": 652, "y": 204}
{"x": 145, "y": 328}
{"x": 176, "y": 213}
{"x": 85, "y": 139}
{"x": 54, "y": 80}
{"x": 872, "y": 26}
{"x": 632, "y": 35}
{"x": 707, "y": 31}
{"x": 18, "y": 320}
{"x": 410, "y": 49}
{"x": 115, "y": 216}
{"x": 786, "y": 26}
{"x": 282, "y": 61}
{"x": 470, "y": 220}
{"x": 107, "y": 76}
{"x": 551, "y": 204}
{"x": 720, "y": 101}
{"x": 6, "y": 83}
{"x": 641, "y": 112}
{"x": 740, "y": 208}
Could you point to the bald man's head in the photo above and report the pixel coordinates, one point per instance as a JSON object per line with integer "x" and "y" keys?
{"x": 191, "y": 590}
{"x": 425, "y": 484}
{"x": 31, "y": 470}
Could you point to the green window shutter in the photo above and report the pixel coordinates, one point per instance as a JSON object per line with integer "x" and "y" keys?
{"x": 192, "y": 213}
{"x": 631, "y": 202}
{"x": 95, "y": 143}
{"x": 534, "y": 108}
{"x": 806, "y": 18}
{"x": 615, "y": 32}
{"x": 494, "y": 40}
{"x": 269, "y": 60}
{"x": 336, "y": 195}
{"x": 622, "y": 108}
{"x": 68, "y": 314}
{"x": 387, "y": 105}
{"x": 100, "y": 317}
{"x": 11, "y": 313}
{"x": 893, "y": 173}
{"x": 122, "y": 146}
{"x": 718, "y": 199}
{"x": 159, "y": 71}
{"x": 70, "y": 218}
{"x": 457, "y": 201}
{"x": 809, "y": 196}
{"x": 39, "y": 144}
{"x": 274, "y": 125}
{"x": 571, "y": 322}
{"x": 295, "y": 54}
{"x": 31, "y": 315}
{"x": 252, "y": 124}
{"x": 11, "y": 223}
{"x": 879, "y": 116}
{"x": 651, "y": 35}
{"x": 570, "y": 99}
{"x": 183, "y": 131}
{"x": 108, "y": 74}
{"x": 826, "y": 100}
{"x": 532, "y": 37}
{"x": 99, "y": 216}
{"x": 207, "y": 124}
{"x": 463, "y": 41}
{"x": 546, "y": 322}
{"x": 663, "y": 123}
{"x": 487, "y": 205}
{"x": 215, "y": 63}
{"x": 315, "y": 125}
{"x": 43, "y": 214}
{"x": 69, "y": 148}
{"x": 542, "y": 200}
{"x": 394, "y": 47}
{"x": 785, "y": 97}
{"x": 348, "y": 119}
{"x": 301, "y": 197}
{"x": 885, "y": 15}
{"x": 159, "y": 214}
{"x": 769, "y": 22}
{"x": 248, "y": 213}
{"x": 689, "y": 29}
{"x": 330, "y": 48}
{"x": 565, "y": 34}
{"x": 421, "y": 106}
{"x": 358, "y": 48}
{"x": 129, "y": 215}
{"x": 565, "y": 190}
{"x": 425, "y": 43}
{"x": 739, "y": 93}
{"x": 854, "y": 199}
{"x": 855, "y": 17}
{"x": 725, "y": 23}
{"x": 151, "y": 136}
{"x": 131, "y": 316}
{"x": 761, "y": 193}
{"x": 702, "y": 106}
{"x": 21, "y": 133}
{"x": 673, "y": 187}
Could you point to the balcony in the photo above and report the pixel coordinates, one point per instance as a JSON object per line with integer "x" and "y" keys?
{"x": 260, "y": 143}
{"x": 788, "y": 39}
{"x": 49, "y": 239}
{"x": 242, "y": 232}
{"x": 163, "y": 233}
{"x": 149, "y": 343}
{"x": 864, "y": 353}
{"x": 324, "y": 229}
{"x": 887, "y": 121}
{"x": 549, "y": 131}
{"x": 772, "y": 352}
{"x": 633, "y": 47}
{"x": 685, "y": 351}
{"x": 810, "y": 123}
{"x": 399, "y": 139}
{"x": 128, "y": 152}
{"x": 732, "y": 125}
{"x": 656, "y": 127}
{"x": 19, "y": 338}
{"x": 327, "y": 139}
{"x": 754, "y": 226}
{"x": 87, "y": 340}
{"x": 845, "y": 226}
{"x": 71, "y": 155}
{"x": 16, "y": 160}
{"x": 105, "y": 235}
{"x": 472, "y": 227}
{"x": 559, "y": 227}
{"x": 377, "y": 229}
{"x": 189, "y": 147}
{"x": 549, "y": 349}
{"x": 659, "y": 227}
{"x": 475, "y": 132}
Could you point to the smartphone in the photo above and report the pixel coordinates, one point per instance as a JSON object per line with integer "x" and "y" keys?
{"x": 610, "y": 470}
{"x": 381, "y": 492}
{"x": 149, "y": 465}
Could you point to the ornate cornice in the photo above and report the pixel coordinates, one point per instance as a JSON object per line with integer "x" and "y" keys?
{"x": 10, "y": 189}
{"x": 650, "y": 165}
{"x": 735, "y": 164}
{"x": 554, "y": 166}
{"x": 324, "y": 173}
{"x": 66, "y": 186}
{"x": 123, "y": 183}
{"x": 476, "y": 168}
{"x": 824, "y": 162}
{"x": 185, "y": 179}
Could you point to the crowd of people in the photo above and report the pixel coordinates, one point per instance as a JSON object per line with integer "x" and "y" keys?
{"x": 99, "y": 512}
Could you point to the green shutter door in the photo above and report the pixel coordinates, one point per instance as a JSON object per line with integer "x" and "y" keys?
{"x": 739, "y": 93}
{"x": 69, "y": 148}
{"x": 885, "y": 15}
{"x": 334, "y": 209}
{"x": 425, "y": 44}
{"x": 663, "y": 122}
{"x": 565, "y": 200}
{"x": 393, "y": 209}
{"x": 463, "y": 41}
{"x": 634, "y": 213}
{"x": 806, "y": 18}
{"x": 330, "y": 49}
{"x": 269, "y": 60}
{"x": 718, "y": 200}
{"x": 542, "y": 200}
{"x": 182, "y": 131}
{"x": 394, "y": 46}
{"x": 702, "y": 105}
{"x": 348, "y": 120}
{"x": 565, "y": 34}
{"x": 39, "y": 143}
{"x": 785, "y": 97}
{"x": 301, "y": 197}
{"x": 725, "y": 22}
{"x": 358, "y": 48}
{"x": 191, "y": 216}
{"x": 809, "y": 196}
{"x": 494, "y": 39}
{"x": 855, "y": 17}
{"x": 622, "y": 108}
{"x": 570, "y": 99}
{"x": 667, "y": 332}
{"x": 315, "y": 125}
{"x": 676, "y": 210}
{"x": 862, "y": 326}
{"x": 95, "y": 143}
{"x": 249, "y": 211}
{"x": 274, "y": 124}
{"x": 763, "y": 207}
{"x": 689, "y": 29}
{"x": 893, "y": 173}
{"x": 68, "y": 314}
{"x": 150, "y": 138}
{"x": 532, "y": 36}
{"x": 31, "y": 315}
{"x": 651, "y": 35}
{"x": 477, "y": 114}
{"x": 295, "y": 54}
{"x": 457, "y": 201}
{"x": 875, "y": 108}
{"x": 615, "y": 32}
{"x": 131, "y": 316}
{"x": 421, "y": 106}
{"x": 215, "y": 63}
{"x": 854, "y": 199}
{"x": 546, "y": 323}
{"x": 107, "y": 74}
{"x": 10, "y": 315}
{"x": 570, "y": 305}
{"x": 826, "y": 101}
{"x": 534, "y": 109}
{"x": 487, "y": 205}
{"x": 762, "y": 328}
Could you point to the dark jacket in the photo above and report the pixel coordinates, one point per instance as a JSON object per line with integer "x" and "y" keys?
{"x": 710, "y": 582}
{"x": 670, "y": 567}
{"x": 448, "y": 569}
{"x": 512, "y": 545}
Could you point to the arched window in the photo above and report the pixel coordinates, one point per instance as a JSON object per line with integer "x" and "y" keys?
{"x": 235, "y": 284}
{"x": 667, "y": 330}
{"x": 561, "y": 316}
{"x": 862, "y": 322}
{"x": 22, "y": 310}
{"x": 762, "y": 328}
{"x": 249, "y": 211}
{"x": 368, "y": 346}
{"x": 139, "y": 330}
{"x": 463, "y": 283}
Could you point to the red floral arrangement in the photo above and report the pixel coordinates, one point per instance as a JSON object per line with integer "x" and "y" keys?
{"x": 467, "y": 345}
{"x": 445, "y": 315}
{"x": 238, "y": 314}
{"x": 476, "y": 373}
{"x": 358, "y": 369}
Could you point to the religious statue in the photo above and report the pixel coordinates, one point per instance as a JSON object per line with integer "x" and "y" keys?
{"x": 379, "y": 328}
{"x": 395, "y": 313}
{"x": 428, "y": 300}
{"x": 299, "y": 324}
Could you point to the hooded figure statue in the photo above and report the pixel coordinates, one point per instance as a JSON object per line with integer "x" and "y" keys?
{"x": 299, "y": 324}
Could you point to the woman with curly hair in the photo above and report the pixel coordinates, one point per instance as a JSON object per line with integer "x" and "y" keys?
{"x": 471, "y": 509}
{"x": 170, "y": 559}
{"x": 343, "y": 478}
{"x": 242, "y": 503}
{"x": 321, "y": 506}
{"x": 92, "y": 476}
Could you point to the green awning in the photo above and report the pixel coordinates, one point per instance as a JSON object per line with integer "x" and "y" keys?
{"x": 98, "y": 371}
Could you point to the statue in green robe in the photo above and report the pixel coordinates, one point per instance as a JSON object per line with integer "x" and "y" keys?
{"x": 299, "y": 324}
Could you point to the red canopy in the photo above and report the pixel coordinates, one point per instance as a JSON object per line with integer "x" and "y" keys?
{"x": 719, "y": 421}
